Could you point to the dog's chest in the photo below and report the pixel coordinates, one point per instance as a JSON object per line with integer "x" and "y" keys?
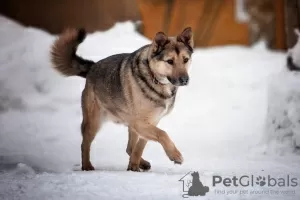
{"x": 161, "y": 111}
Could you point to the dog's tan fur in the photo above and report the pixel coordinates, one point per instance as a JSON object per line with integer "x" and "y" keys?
{"x": 136, "y": 89}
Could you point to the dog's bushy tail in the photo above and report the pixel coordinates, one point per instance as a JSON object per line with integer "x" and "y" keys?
{"x": 63, "y": 54}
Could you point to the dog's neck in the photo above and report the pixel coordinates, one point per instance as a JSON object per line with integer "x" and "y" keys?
{"x": 150, "y": 81}
{"x": 156, "y": 80}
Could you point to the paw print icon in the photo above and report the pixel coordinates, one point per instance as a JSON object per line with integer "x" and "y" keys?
{"x": 261, "y": 181}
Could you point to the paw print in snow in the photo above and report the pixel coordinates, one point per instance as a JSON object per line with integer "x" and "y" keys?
{"x": 261, "y": 181}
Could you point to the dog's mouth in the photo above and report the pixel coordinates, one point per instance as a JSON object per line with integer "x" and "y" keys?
{"x": 181, "y": 81}
{"x": 161, "y": 79}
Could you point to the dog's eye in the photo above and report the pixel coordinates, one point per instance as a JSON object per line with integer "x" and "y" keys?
{"x": 185, "y": 60}
{"x": 171, "y": 62}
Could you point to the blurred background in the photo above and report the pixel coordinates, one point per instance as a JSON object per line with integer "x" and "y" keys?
{"x": 215, "y": 22}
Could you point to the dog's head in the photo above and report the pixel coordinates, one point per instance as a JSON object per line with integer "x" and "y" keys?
{"x": 195, "y": 174}
{"x": 170, "y": 57}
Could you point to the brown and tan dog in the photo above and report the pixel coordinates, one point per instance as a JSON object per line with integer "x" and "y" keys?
{"x": 136, "y": 89}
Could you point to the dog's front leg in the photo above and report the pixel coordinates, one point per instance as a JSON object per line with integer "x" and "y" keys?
{"x": 148, "y": 131}
{"x": 132, "y": 141}
{"x": 136, "y": 155}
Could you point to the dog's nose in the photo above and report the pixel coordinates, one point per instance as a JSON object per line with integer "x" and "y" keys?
{"x": 184, "y": 80}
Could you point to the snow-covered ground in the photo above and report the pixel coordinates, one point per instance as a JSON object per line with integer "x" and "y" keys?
{"x": 283, "y": 118}
{"x": 219, "y": 124}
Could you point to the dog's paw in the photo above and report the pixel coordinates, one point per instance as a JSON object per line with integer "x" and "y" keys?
{"x": 133, "y": 167}
{"x": 87, "y": 167}
{"x": 176, "y": 156}
{"x": 145, "y": 165}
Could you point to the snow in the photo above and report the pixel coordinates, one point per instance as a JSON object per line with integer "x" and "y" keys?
{"x": 283, "y": 118}
{"x": 220, "y": 122}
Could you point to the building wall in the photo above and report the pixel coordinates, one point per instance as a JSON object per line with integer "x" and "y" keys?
{"x": 214, "y": 22}
{"x": 55, "y": 15}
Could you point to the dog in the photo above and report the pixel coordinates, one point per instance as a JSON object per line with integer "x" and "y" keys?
{"x": 197, "y": 187}
{"x": 135, "y": 89}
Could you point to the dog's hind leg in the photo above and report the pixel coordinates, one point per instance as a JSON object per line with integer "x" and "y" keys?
{"x": 132, "y": 141}
{"x": 91, "y": 112}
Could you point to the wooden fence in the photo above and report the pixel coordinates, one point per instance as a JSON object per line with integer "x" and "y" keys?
{"x": 214, "y": 21}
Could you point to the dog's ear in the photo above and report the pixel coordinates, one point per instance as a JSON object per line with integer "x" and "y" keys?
{"x": 159, "y": 41}
{"x": 186, "y": 37}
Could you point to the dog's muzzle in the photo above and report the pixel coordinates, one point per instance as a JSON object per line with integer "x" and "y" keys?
{"x": 181, "y": 81}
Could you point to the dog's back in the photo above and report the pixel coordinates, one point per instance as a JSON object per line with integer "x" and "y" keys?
{"x": 106, "y": 76}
